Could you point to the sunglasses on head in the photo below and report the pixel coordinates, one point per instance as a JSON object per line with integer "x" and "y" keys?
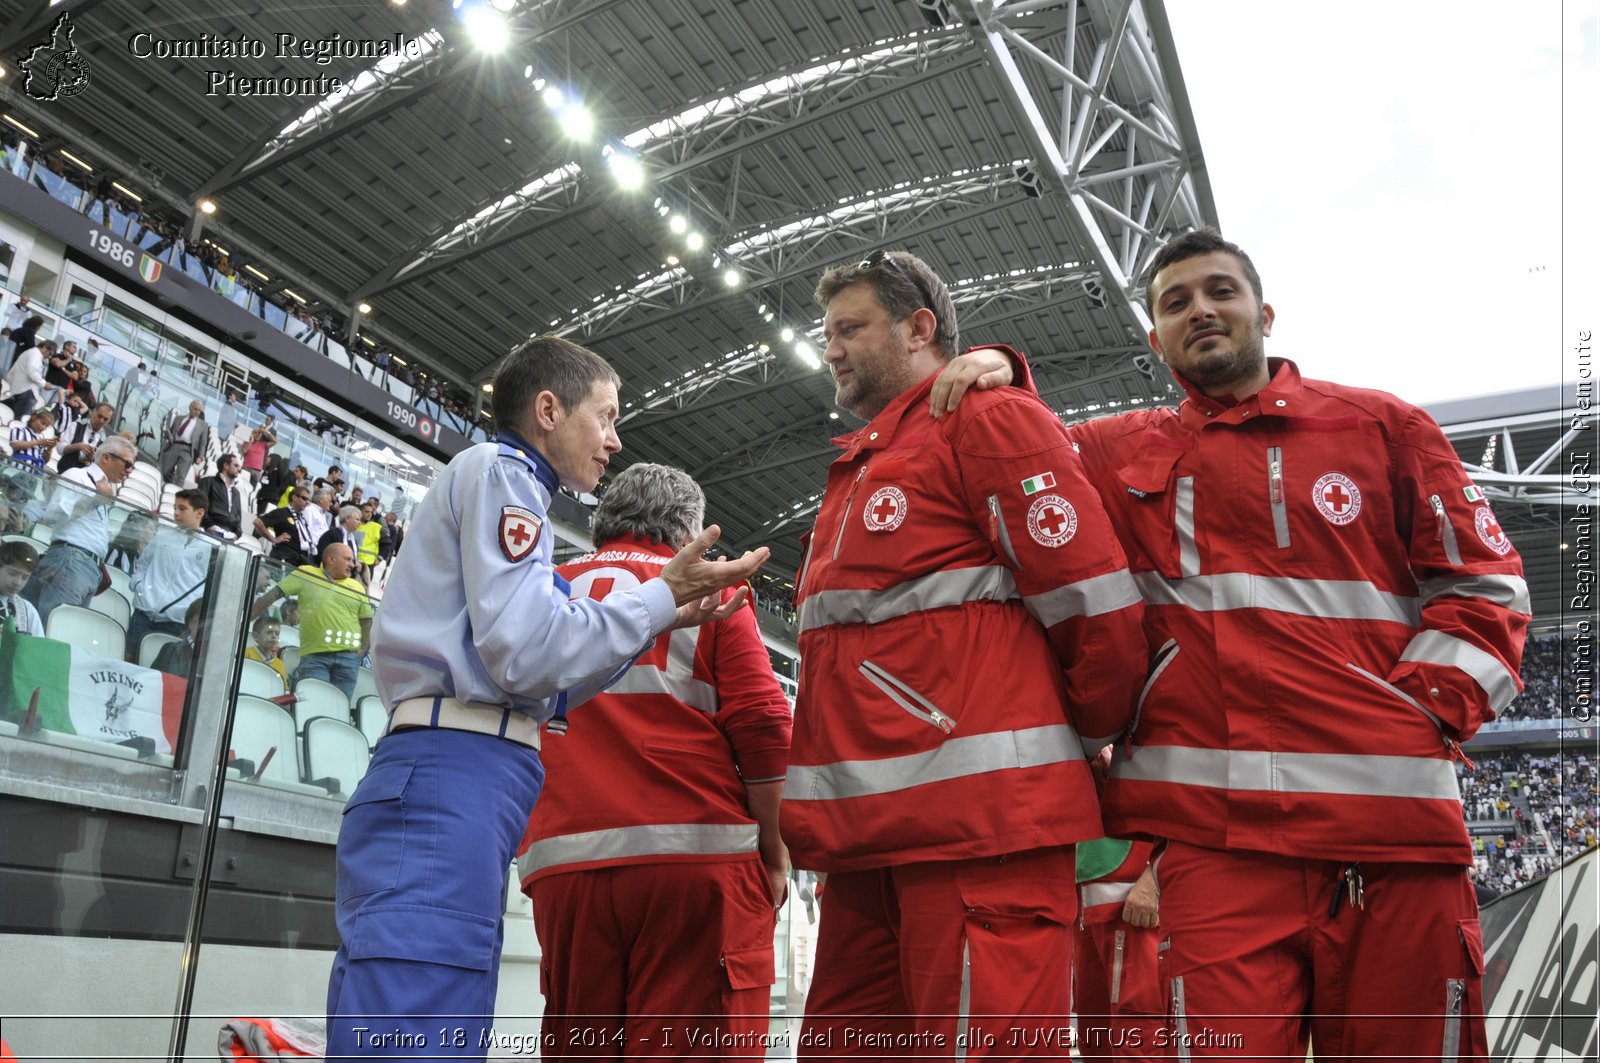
{"x": 880, "y": 257}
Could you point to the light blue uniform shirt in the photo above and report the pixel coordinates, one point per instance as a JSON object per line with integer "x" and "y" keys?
{"x": 171, "y": 572}
{"x": 460, "y": 619}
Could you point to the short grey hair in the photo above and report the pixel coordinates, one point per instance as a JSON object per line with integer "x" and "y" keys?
{"x": 346, "y": 512}
{"x": 322, "y": 493}
{"x": 121, "y": 446}
{"x": 655, "y": 502}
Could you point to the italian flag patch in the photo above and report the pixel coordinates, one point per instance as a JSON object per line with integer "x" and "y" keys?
{"x": 1042, "y": 482}
{"x": 149, "y": 269}
{"x": 1473, "y": 493}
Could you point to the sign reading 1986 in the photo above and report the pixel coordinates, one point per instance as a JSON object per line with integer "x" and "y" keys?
{"x": 123, "y": 255}
{"x": 405, "y": 415}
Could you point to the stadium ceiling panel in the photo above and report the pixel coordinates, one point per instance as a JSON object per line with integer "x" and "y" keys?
{"x": 1033, "y": 151}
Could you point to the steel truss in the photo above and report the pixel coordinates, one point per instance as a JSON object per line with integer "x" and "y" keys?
{"x": 1122, "y": 147}
{"x": 1524, "y": 460}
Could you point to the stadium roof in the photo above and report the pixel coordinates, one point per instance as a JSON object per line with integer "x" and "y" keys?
{"x": 1033, "y": 151}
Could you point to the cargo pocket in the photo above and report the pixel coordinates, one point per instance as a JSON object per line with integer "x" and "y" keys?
{"x": 420, "y": 934}
{"x": 751, "y": 967}
{"x": 372, "y": 840}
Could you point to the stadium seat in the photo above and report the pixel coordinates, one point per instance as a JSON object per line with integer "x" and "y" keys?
{"x": 151, "y": 645}
{"x": 142, "y": 488}
{"x": 366, "y": 685}
{"x": 291, "y": 658}
{"x": 121, "y": 582}
{"x": 114, "y": 605}
{"x": 314, "y": 698}
{"x": 289, "y": 635}
{"x": 260, "y": 680}
{"x": 336, "y": 754}
{"x": 260, "y": 726}
{"x": 88, "y": 630}
{"x": 372, "y": 718}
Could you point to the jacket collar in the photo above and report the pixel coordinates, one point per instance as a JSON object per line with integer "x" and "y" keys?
{"x": 880, "y": 431}
{"x": 543, "y": 471}
{"x": 1280, "y": 398}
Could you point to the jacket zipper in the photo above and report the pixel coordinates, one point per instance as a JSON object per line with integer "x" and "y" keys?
{"x": 1164, "y": 656}
{"x": 1449, "y": 743}
{"x": 1280, "y": 509}
{"x": 1447, "y": 531}
{"x": 848, "y": 502}
{"x": 997, "y": 528}
{"x": 907, "y": 698}
{"x": 1455, "y": 992}
{"x": 1116, "y": 967}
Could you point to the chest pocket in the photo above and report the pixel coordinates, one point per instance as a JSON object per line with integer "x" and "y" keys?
{"x": 894, "y": 502}
{"x": 1156, "y": 512}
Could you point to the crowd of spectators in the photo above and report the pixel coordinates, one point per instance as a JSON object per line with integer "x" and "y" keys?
{"x": 1549, "y": 686}
{"x": 161, "y": 235}
{"x": 1545, "y": 804}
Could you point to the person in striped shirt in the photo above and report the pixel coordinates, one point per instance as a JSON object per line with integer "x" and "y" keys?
{"x": 30, "y": 443}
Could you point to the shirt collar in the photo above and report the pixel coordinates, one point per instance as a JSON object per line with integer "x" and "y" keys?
{"x": 1280, "y": 398}
{"x": 543, "y": 471}
{"x": 880, "y": 430}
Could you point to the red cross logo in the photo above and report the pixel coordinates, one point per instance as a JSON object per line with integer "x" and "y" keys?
{"x": 1489, "y": 530}
{"x": 1337, "y": 498}
{"x": 1052, "y": 521}
{"x": 519, "y": 532}
{"x": 886, "y": 510}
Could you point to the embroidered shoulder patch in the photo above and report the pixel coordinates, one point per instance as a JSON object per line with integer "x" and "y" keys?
{"x": 1337, "y": 498}
{"x": 1489, "y": 530}
{"x": 1052, "y": 521}
{"x": 519, "y": 532}
{"x": 885, "y": 510}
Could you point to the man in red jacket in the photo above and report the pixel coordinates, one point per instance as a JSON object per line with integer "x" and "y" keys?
{"x": 969, "y": 634}
{"x": 1332, "y": 608}
{"x": 653, "y": 858}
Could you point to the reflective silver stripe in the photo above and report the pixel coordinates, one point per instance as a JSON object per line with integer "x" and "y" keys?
{"x": 677, "y": 679}
{"x": 1183, "y": 517}
{"x": 1094, "y": 596}
{"x": 1508, "y": 591}
{"x": 964, "y": 1007}
{"x": 1116, "y": 966}
{"x": 906, "y": 696}
{"x": 1436, "y": 647}
{"x": 957, "y": 758}
{"x": 936, "y": 590}
{"x": 621, "y": 843}
{"x": 1303, "y": 773}
{"x": 1447, "y": 531}
{"x": 1098, "y": 893}
{"x": 1180, "y": 1018}
{"x": 1378, "y": 680}
{"x": 1326, "y": 598}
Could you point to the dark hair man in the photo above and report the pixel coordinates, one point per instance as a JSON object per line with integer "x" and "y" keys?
{"x": 476, "y": 646}
{"x": 1333, "y": 608}
{"x": 661, "y": 812}
{"x": 942, "y": 791}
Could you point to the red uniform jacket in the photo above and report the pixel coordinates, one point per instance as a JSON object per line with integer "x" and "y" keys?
{"x": 967, "y": 628}
{"x": 1331, "y": 606}
{"x": 654, "y": 769}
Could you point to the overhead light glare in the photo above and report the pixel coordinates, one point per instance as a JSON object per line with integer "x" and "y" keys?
{"x": 258, "y": 273}
{"x": 786, "y": 335}
{"x": 672, "y": 260}
{"x": 732, "y": 278}
{"x": 34, "y": 133}
{"x": 487, "y": 28}
{"x": 125, "y": 190}
{"x": 207, "y": 206}
{"x": 364, "y": 308}
{"x": 296, "y": 296}
{"x": 833, "y": 415}
{"x": 627, "y": 170}
{"x": 65, "y": 154}
{"x": 577, "y": 122}
{"x": 678, "y": 224}
{"x": 553, "y": 97}
{"x": 694, "y": 241}
{"x": 489, "y": 388}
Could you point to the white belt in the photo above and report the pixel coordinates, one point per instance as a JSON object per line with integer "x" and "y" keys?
{"x": 453, "y": 715}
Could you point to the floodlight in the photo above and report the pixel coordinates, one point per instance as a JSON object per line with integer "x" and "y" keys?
{"x": 694, "y": 241}
{"x": 487, "y": 29}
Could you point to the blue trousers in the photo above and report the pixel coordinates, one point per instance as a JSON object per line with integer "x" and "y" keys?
{"x": 423, "y": 853}
{"x": 338, "y": 667}
{"x": 65, "y": 576}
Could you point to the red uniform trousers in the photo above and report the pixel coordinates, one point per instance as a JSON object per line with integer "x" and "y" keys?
{"x": 1264, "y": 950}
{"x": 916, "y": 959}
{"x": 656, "y": 960}
{"x": 1117, "y": 993}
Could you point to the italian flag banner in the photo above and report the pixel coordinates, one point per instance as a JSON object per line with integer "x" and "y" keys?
{"x": 84, "y": 694}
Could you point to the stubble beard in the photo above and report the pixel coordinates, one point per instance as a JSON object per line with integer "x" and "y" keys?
{"x": 1213, "y": 372}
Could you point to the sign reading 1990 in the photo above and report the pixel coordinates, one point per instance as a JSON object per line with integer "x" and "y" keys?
{"x": 405, "y": 415}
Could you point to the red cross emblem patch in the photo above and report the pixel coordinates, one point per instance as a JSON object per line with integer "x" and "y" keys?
{"x": 886, "y": 510}
{"x": 1489, "y": 530}
{"x": 1052, "y": 521}
{"x": 1337, "y": 497}
{"x": 519, "y": 532}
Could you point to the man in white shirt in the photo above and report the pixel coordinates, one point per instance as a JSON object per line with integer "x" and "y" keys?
{"x": 318, "y": 516}
{"x": 171, "y": 572}
{"x": 26, "y": 378}
{"x": 185, "y": 445}
{"x": 19, "y": 312}
{"x": 69, "y": 572}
